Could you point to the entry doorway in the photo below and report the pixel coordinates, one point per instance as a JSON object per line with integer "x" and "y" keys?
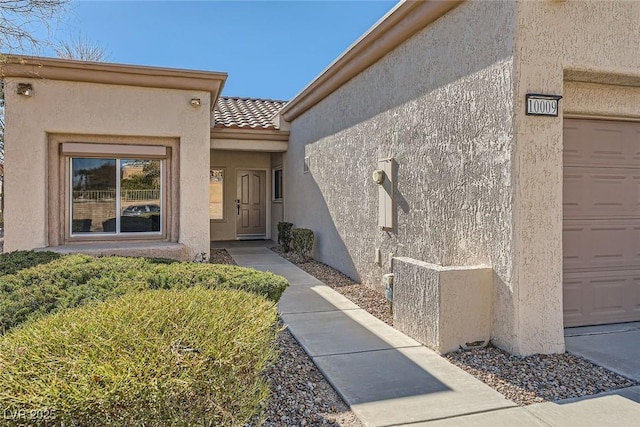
{"x": 251, "y": 204}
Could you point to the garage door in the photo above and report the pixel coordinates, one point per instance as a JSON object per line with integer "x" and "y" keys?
{"x": 601, "y": 230}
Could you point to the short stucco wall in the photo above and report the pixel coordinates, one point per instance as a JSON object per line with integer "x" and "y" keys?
{"x": 444, "y": 308}
{"x": 63, "y": 107}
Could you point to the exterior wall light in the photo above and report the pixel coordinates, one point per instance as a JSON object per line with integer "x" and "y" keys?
{"x": 378, "y": 176}
{"x": 25, "y": 89}
{"x": 195, "y": 102}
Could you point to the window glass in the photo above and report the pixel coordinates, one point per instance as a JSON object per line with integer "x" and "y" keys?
{"x": 139, "y": 196}
{"x": 93, "y": 195}
{"x": 277, "y": 184}
{"x": 216, "y": 194}
{"x": 102, "y": 188}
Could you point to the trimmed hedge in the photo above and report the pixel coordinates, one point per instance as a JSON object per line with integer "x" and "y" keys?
{"x": 154, "y": 358}
{"x": 74, "y": 280}
{"x": 12, "y": 262}
{"x": 284, "y": 235}
{"x": 302, "y": 241}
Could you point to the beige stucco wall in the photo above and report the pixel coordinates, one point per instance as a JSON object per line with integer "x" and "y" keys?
{"x": 63, "y": 107}
{"x": 601, "y": 38}
{"x": 277, "y": 208}
{"x": 441, "y": 105}
{"x": 231, "y": 161}
{"x": 479, "y": 182}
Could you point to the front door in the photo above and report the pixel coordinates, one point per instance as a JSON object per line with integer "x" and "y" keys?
{"x": 251, "y": 204}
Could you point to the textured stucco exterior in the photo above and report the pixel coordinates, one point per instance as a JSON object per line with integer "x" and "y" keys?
{"x": 453, "y": 303}
{"x": 65, "y": 107}
{"x": 441, "y": 105}
{"x": 556, "y": 42}
{"x": 478, "y": 181}
{"x": 277, "y": 206}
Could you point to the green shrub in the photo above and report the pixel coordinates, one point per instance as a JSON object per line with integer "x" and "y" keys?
{"x": 12, "y": 262}
{"x": 284, "y": 235}
{"x": 302, "y": 239}
{"x": 74, "y": 280}
{"x": 155, "y": 358}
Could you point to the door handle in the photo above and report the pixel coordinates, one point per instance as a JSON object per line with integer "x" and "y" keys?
{"x": 238, "y": 205}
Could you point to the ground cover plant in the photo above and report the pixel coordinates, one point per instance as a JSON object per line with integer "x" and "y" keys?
{"x": 11, "y": 262}
{"x": 156, "y": 358}
{"x": 74, "y": 280}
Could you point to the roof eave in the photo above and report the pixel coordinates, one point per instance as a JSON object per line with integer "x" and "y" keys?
{"x": 402, "y": 22}
{"x": 117, "y": 74}
{"x": 250, "y": 134}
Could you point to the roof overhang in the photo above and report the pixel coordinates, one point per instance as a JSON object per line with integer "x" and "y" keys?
{"x": 402, "y": 22}
{"x": 115, "y": 74}
{"x": 263, "y": 140}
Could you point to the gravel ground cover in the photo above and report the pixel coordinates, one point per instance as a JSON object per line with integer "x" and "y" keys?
{"x": 366, "y": 298}
{"x": 300, "y": 395}
{"x": 537, "y": 378}
{"x": 524, "y": 380}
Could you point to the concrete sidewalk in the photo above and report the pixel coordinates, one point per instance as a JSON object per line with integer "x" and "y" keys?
{"x": 388, "y": 379}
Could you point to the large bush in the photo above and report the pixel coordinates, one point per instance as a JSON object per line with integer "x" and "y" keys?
{"x": 11, "y": 262}
{"x": 74, "y": 280}
{"x": 154, "y": 358}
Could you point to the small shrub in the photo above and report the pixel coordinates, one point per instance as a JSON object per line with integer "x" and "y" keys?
{"x": 284, "y": 235}
{"x": 74, "y": 280}
{"x": 302, "y": 239}
{"x": 11, "y": 262}
{"x": 155, "y": 358}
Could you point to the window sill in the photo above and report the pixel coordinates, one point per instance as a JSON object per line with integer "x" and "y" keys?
{"x": 176, "y": 251}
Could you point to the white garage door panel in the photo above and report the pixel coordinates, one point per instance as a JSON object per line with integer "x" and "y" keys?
{"x": 601, "y": 227}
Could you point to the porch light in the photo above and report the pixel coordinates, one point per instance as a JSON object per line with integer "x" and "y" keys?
{"x": 25, "y": 89}
{"x": 195, "y": 102}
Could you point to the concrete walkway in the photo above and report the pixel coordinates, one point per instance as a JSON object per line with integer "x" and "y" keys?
{"x": 388, "y": 379}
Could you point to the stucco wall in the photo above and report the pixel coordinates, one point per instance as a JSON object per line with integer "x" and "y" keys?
{"x": 231, "y": 161}
{"x": 441, "y": 105}
{"x": 277, "y": 208}
{"x": 553, "y": 40}
{"x": 99, "y": 109}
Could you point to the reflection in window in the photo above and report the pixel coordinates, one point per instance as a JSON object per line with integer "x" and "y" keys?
{"x": 139, "y": 195}
{"x": 94, "y": 194}
{"x": 103, "y": 187}
{"x": 216, "y": 194}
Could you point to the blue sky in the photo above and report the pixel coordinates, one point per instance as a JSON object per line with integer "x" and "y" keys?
{"x": 271, "y": 49}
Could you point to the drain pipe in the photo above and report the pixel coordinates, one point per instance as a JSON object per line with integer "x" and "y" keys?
{"x": 387, "y": 280}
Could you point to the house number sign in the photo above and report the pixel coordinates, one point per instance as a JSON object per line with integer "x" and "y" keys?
{"x": 542, "y": 105}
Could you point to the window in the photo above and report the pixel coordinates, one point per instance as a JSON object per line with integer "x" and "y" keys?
{"x": 277, "y": 184}
{"x": 306, "y": 167}
{"x": 216, "y": 194}
{"x": 116, "y": 196}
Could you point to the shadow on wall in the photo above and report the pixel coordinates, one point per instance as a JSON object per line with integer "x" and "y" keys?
{"x": 329, "y": 246}
{"x": 432, "y": 59}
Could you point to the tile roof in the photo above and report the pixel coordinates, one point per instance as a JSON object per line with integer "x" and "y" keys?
{"x": 246, "y": 113}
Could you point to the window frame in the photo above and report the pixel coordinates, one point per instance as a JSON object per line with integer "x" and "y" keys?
{"x": 166, "y": 148}
{"x": 224, "y": 179}
{"x": 118, "y": 198}
{"x": 274, "y": 184}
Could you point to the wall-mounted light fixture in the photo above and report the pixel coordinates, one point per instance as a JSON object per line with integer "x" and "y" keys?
{"x": 195, "y": 102}
{"x": 378, "y": 176}
{"x": 25, "y": 89}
